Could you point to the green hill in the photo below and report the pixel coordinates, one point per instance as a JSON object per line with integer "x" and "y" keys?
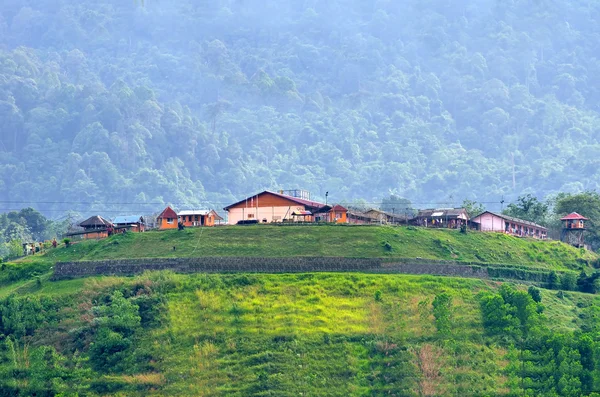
{"x": 330, "y": 240}
{"x": 328, "y": 334}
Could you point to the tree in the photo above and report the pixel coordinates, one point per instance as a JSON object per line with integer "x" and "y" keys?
{"x": 473, "y": 208}
{"x": 396, "y": 204}
{"x": 586, "y": 204}
{"x": 528, "y": 208}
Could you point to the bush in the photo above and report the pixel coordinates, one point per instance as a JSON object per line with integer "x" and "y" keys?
{"x": 378, "y": 297}
{"x": 535, "y": 294}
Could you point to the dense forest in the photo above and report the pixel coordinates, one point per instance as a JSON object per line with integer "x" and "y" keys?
{"x": 203, "y": 102}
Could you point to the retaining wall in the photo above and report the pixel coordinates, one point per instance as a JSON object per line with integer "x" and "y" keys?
{"x": 127, "y": 267}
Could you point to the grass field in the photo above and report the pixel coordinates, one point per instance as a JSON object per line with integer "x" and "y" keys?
{"x": 343, "y": 241}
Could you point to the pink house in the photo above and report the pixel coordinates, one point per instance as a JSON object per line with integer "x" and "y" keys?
{"x": 492, "y": 222}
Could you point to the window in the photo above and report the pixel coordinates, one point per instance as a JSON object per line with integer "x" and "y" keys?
{"x": 338, "y": 215}
{"x": 170, "y": 221}
{"x": 250, "y": 216}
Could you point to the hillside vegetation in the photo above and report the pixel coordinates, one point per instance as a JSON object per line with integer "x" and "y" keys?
{"x": 162, "y": 334}
{"x": 110, "y": 101}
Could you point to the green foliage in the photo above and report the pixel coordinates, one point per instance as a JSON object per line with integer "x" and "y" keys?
{"x": 124, "y": 110}
{"x": 586, "y": 204}
{"x": 378, "y": 296}
{"x": 529, "y": 208}
{"x": 442, "y": 312}
{"x": 114, "y": 323}
{"x": 568, "y": 282}
{"x": 535, "y": 294}
{"x": 554, "y": 281}
{"x": 397, "y": 205}
{"x": 473, "y": 208}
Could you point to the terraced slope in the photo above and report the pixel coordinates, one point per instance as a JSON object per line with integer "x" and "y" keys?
{"x": 342, "y": 241}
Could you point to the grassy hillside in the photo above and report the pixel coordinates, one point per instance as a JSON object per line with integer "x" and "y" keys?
{"x": 163, "y": 334}
{"x": 262, "y": 335}
{"x": 344, "y": 241}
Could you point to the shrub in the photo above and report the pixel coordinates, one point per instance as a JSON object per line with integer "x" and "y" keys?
{"x": 535, "y": 294}
{"x": 378, "y": 297}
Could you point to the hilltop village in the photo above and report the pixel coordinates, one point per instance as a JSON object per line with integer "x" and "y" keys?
{"x": 296, "y": 207}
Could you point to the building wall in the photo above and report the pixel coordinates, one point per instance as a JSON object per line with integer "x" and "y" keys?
{"x": 493, "y": 223}
{"x": 199, "y": 220}
{"x": 270, "y": 213}
{"x": 163, "y": 224}
{"x": 490, "y": 223}
{"x": 338, "y": 217}
{"x": 95, "y": 235}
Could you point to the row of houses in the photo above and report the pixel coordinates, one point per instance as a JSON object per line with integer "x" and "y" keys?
{"x": 296, "y": 206}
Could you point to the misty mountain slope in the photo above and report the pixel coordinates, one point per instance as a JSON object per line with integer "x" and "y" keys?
{"x": 208, "y": 101}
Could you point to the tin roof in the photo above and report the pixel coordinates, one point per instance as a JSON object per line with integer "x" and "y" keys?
{"x": 128, "y": 219}
{"x": 193, "y": 212}
{"x": 443, "y": 212}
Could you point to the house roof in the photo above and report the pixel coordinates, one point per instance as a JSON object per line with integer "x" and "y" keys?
{"x": 377, "y": 214}
{"x": 95, "y": 220}
{"x": 512, "y": 219}
{"x": 442, "y": 212}
{"x": 128, "y": 219}
{"x": 307, "y": 203}
{"x": 168, "y": 213}
{"x": 339, "y": 208}
{"x": 574, "y": 216}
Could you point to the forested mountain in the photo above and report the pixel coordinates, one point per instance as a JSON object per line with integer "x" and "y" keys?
{"x": 200, "y": 102}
